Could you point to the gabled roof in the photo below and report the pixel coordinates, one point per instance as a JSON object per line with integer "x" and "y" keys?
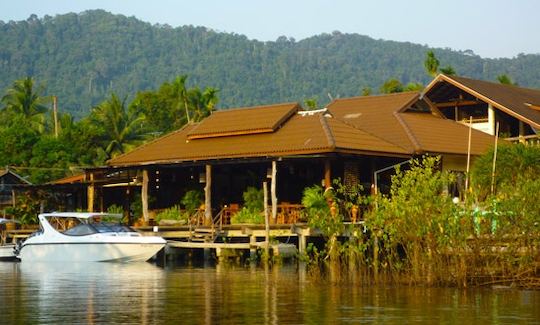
{"x": 251, "y": 120}
{"x": 392, "y": 118}
{"x": 7, "y": 171}
{"x": 522, "y": 103}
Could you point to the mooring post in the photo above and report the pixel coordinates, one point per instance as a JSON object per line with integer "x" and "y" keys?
{"x": 302, "y": 243}
{"x": 252, "y": 247}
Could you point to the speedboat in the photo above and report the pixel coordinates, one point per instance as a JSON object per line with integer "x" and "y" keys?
{"x": 87, "y": 237}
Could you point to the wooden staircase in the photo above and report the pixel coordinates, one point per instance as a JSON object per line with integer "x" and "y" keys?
{"x": 205, "y": 234}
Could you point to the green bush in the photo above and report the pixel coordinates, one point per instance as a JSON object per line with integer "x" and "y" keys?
{"x": 173, "y": 213}
{"x": 192, "y": 200}
{"x": 253, "y": 199}
{"x": 246, "y": 215}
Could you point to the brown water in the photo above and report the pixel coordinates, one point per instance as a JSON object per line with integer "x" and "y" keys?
{"x": 147, "y": 294}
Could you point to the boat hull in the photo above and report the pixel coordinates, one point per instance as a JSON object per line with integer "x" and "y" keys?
{"x": 89, "y": 252}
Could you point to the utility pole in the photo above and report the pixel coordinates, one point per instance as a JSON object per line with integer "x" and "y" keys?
{"x": 55, "y": 115}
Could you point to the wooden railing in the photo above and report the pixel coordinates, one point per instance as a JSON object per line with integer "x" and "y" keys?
{"x": 528, "y": 139}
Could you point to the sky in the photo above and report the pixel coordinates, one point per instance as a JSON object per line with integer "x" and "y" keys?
{"x": 490, "y": 28}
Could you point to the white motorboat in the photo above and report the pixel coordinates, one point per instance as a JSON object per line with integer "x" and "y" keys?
{"x": 7, "y": 250}
{"x": 87, "y": 237}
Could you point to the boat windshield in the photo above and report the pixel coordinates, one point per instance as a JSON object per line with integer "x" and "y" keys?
{"x": 110, "y": 227}
{"x": 73, "y": 226}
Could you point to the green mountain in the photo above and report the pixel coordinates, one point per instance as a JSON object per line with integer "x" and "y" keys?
{"x": 82, "y": 58}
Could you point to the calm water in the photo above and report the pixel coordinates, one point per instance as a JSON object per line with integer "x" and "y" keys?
{"x": 147, "y": 294}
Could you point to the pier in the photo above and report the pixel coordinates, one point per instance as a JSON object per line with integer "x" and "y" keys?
{"x": 287, "y": 240}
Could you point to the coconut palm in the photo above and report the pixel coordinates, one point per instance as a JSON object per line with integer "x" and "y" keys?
{"x": 122, "y": 127}
{"x": 201, "y": 103}
{"x": 23, "y": 99}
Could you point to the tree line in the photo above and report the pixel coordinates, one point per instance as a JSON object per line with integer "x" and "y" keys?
{"x": 44, "y": 145}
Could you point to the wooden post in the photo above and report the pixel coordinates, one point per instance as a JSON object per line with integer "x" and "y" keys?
{"x": 468, "y": 158}
{"x": 13, "y": 198}
{"x": 491, "y": 119}
{"x": 273, "y": 192}
{"x": 327, "y": 174}
{"x": 144, "y": 195}
{"x": 521, "y": 132}
{"x": 91, "y": 193}
{"x": 266, "y": 217}
{"x": 208, "y": 196}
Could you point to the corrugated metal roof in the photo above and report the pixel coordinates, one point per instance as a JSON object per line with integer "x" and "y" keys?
{"x": 248, "y": 120}
{"x": 510, "y": 99}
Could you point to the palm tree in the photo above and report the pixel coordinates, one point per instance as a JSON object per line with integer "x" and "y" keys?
{"x": 122, "y": 127}
{"x": 24, "y": 100}
{"x": 179, "y": 86}
{"x": 202, "y": 103}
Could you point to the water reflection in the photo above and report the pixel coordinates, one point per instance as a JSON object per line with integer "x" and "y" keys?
{"x": 143, "y": 293}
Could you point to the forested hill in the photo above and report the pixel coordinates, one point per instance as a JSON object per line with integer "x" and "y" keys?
{"x": 82, "y": 58}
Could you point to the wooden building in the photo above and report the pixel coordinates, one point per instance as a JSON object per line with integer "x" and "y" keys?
{"x": 351, "y": 138}
{"x": 8, "y": 181}
{"x": 515, "y": 109}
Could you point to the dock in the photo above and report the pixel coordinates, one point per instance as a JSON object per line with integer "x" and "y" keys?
{"x": 287, "y": 240}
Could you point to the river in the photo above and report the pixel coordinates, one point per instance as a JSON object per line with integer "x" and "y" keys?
{"x": 143, "y": 293}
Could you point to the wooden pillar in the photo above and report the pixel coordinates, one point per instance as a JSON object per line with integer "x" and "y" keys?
{"x": 521, "y": 132}
{"x": 266, "y": 218}
{"x": 273, "y": 192}
{"x": 91, "y": 193}
{"x": 13, "y": 198}
{"x": 327, "y": 174}
{"x": 144, "y": 195}
{"x": 491, "y": 119}
{"x": 208, "y": 196}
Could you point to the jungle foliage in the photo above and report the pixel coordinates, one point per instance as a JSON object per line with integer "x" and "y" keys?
{"x": 42, "y": 150}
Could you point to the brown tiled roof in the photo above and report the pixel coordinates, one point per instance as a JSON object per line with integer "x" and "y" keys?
{"x": 374, "y": 125}
{"x": 261, "y": 119}
{"x": 513, "y": 100}
{"x": 300, "y": 135}
{"x": 387, "y": 117}
{"x": 437, "y": 135}
{"x": 376, "y": 113}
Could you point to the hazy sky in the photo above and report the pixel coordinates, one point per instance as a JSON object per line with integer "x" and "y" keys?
{"x": 491, "y": 28}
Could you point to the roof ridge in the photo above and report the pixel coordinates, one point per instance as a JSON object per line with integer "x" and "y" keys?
{"x": 410, "y": 92}
{"x": 369, "y": 133}
{"x": 410, "y": 135}
{"x": 255, "y": 107}
{"x": 327, "y": 131}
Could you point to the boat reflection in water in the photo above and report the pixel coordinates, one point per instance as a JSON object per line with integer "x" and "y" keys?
{"x": 87, "y": 237}
{"x": 92, "y": 293}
